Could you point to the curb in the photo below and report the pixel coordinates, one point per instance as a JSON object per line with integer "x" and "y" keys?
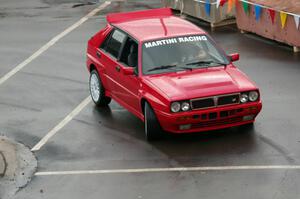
{"x": 2, "y": 164}
{"x": 17, "y": 166}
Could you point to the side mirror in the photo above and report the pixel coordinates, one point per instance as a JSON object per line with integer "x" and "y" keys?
{"x": 234, "y": 57}
{"x": 128, "y": 70}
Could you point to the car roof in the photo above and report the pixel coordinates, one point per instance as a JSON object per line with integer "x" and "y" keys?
{"x": 153, "y": 24}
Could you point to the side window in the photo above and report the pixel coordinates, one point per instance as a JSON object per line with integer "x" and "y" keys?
{"x": 129, "y": 54}
{"x": 105, "y": 42}
{"x": 114, "y": 44}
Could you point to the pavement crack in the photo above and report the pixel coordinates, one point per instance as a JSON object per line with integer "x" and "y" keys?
{"x": 85, "y": 122}
{"x": 5, "y": 164}
{"x": 281, "y": 182}
{"x": 286, "y": 154}
{"x": 53, "y": 77}
{"x": 83, "y": 4}
{"x": 20, "y": 106}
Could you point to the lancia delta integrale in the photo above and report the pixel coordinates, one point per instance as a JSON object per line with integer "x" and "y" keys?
{"x": 169, "y": 73}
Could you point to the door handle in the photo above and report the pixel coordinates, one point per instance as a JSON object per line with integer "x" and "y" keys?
{"x": 118, "y": 68}
{"x": 98, "y": 54}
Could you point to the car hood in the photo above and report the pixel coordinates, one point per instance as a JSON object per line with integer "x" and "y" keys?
{"x": 201, "y": 83}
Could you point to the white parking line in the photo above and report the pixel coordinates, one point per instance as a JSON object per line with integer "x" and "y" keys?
{"x": 60, "y": 125}
{"x": 177, "y": 169}
{"x": 52, "y": 42}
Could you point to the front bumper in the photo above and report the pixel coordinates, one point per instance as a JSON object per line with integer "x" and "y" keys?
{"x": 209, "y": 119}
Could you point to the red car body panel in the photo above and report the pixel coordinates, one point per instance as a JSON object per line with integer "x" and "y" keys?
{"x": 202, "y": 82}
{"x": 152, "y": 24}
{"x": 160, "y": 90}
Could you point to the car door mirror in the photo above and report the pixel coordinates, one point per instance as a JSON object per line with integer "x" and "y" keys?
{"x": 128, "y": 70}
{"x": 234, "y": 57}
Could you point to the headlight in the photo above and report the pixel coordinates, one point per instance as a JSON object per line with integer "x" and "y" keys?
{"x": 185, "y": 106}
{"x": 175, "y": 107}
{"x": 180, "y": 106}
{"x": 244, "y": 98}
{"x": 253, "y": 96}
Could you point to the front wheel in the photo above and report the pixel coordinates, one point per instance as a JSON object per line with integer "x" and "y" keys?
{"x": 97, "y": 90}
{"x": 153, "y": 129}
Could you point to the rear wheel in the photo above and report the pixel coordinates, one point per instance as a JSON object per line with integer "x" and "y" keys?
{"x": 153, "y": 129}
{"x": 97, "y": 90}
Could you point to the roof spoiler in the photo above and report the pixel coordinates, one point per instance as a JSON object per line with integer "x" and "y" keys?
{"x": 128, "y": 16}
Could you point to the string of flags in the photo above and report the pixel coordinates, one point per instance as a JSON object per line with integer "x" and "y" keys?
{"x": 258, "y": 9}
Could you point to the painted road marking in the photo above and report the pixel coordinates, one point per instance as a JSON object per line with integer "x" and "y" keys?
{"x": 60, "y": 125}
{"x": 64, "y": 122}
{"x": 52, "y": 42}
{"x": 175, "y": 169}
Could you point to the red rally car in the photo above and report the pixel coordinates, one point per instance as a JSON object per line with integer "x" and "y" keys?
{"x": 169, "y": 73}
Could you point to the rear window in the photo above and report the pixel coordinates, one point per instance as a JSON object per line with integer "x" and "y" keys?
{"x": 113, "y": 46}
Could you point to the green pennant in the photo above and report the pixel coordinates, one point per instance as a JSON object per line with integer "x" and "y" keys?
{"x": 246, "y": 7}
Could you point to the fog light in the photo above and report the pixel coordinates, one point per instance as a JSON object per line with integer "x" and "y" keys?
{"x": 248, "y": 117}
{"x": 185, "y": 127}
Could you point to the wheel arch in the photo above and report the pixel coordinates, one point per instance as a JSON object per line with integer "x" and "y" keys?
{"x": 92, "y": 67}
{"x": 156, "y": 102}
{"x": 143, "y": 102}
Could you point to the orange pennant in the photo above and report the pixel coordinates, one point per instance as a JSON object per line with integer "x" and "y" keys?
{"x": 230, "y": 5}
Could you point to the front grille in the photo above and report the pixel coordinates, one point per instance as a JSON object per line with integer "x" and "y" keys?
{"x": 215, "y": 101}
{"x": 203, "y": 103}
{"x": 218, "y": 122}
{"x": 228, "y": 99}
{"x": 212, "y": 116}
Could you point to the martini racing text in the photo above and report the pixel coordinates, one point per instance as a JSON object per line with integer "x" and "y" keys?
{"x": 175, "y": 40}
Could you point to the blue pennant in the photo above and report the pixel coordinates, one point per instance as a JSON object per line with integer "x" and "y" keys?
{"x": 258, "y": 10}
{"x": 207, "y": 7}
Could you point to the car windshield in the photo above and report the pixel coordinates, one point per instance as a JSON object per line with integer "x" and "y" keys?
{"x": 180, "y": 53}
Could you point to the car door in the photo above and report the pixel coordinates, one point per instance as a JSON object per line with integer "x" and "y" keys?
{"x": 128, "y": 91}
{"x": 109, "y": 54}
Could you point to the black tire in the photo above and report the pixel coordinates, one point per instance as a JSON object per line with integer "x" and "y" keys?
{"x": 153, "y": 129}
{"x": 102, "y": 100}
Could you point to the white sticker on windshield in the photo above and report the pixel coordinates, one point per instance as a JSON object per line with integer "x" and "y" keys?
{"x": 192, "y": 38}
{"x": 175, "y": 40}
{"x": 161, "y": 42}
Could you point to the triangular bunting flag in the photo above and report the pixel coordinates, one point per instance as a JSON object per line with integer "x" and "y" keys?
{"x": 218, "y": 3}
{"x": 222, "y": 2}
{"x": 257, "y": 12}
{"x": 283, "y": 17}
{"x": 297, "y": 21}
{"x": 272, "y": 15}
{"x": 230, "y": 4}
{"x": 246, "y": 7}
{"x": 207, "y": 7}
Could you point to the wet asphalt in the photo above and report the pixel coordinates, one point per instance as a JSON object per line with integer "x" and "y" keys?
{"x": 39, "y": 96}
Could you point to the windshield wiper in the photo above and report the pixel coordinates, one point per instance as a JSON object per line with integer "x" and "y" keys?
{"x": 162, "y": 67}
{"x": 186, "y": 68}
{"x": 206, "y": 63}
{"x": 170, "y": 66}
